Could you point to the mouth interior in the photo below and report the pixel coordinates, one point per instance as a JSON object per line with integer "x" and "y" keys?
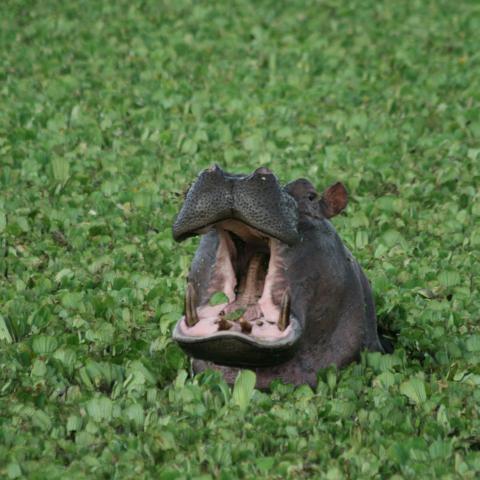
{"x": 249, "y": 272}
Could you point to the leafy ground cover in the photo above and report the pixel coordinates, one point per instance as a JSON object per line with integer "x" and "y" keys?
{"x": 109, "y": 109}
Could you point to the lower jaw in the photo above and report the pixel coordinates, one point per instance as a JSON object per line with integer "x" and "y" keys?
{"x": 237, "y": 349}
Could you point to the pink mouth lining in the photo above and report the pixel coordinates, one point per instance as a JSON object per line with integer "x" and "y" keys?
{"x": 208, "y": 325}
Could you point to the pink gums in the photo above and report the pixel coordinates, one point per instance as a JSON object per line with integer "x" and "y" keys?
{"x": 208, "y": 325}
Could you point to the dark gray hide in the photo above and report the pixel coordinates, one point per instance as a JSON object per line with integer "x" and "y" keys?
{"x": 255, "y": 199}
{"x": 332, "y": 314}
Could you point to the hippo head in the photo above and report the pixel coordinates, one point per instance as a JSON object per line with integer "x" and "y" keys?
{"x": 271, "y": 286}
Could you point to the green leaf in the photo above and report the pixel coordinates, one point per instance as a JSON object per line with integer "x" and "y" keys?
{"x": 65, "y": 273}
{"x": 189, "y": 147}
{"x": 39, "y": 369}
{"x": 14, "y": 470}
{"x": 6, "y": 330}
{"x": 243, "y": 388}
{"x": 3, "y": 221}
{"x": 253, "y": 142}
{"x": 60, "y": 169}
{"x": 265, "y": 463}
{"x": 85, "y": 378}
{"x": 72, "y": 299}
{"x": 414, "y": 389}
{"x": 475, "y": 237}
{"x": 138, "y": 369}
{"x": 386, "y": 379}
{"x": 426, "y": 293}
{"x": 440, "y": 449}
{"x": 476, "y": 209}
{"x": 343, "y": 408}
{"x": 392, "y": 237}
{"x": 331, "y": 377}
{"x": 74, "y": 423}
{"x": 22, "y": 223}
{"x": 136, "y": 414}
{"x": 218, "y": 298}
{"x": 100, "y": 409}
{"x": 449, "y": 278}
{"x": 235, "y": 314}
{"x": 304, "y": 392}
{"x": 473, "y": 153}
{"x": 44, "y": 344}
{"x": 166, "y": 441}
{"x": 180, "y": 380}
{"x": 361, "y": 239}
{"x": 473, "y": 343}
{"x": 42, "y": 420}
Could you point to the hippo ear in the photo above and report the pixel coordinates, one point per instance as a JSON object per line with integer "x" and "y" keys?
{"x": 334, "y": 200}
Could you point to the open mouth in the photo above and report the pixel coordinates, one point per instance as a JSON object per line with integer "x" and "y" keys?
{"x": 245, "y": 316}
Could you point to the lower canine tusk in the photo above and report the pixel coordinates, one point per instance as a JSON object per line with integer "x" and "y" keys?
{"x": 284, "y": 319}
{"x": 191, "y": 317}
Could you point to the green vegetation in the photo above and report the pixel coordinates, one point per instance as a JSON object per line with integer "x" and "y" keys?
{"x": 109, "y": 109}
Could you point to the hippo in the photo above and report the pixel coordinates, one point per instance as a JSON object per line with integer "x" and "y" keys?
{"x": 271, "y": 287}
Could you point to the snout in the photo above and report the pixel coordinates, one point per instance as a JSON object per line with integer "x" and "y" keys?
{"x": 258, "y": 200}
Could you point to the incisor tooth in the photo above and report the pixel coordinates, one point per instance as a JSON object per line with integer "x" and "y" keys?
{"x": 224, "y": 324}
{"x": 245, "y": 325}
{"x": 284, "y": 319}
{"x": 191, "y": 317}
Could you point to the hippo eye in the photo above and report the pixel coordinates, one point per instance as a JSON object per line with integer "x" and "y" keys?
{"x": 312, "y": 196}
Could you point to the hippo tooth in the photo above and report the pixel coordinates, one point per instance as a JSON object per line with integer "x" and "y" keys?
{"x": 245, "y": 325}
{"x": 284, "y": 319}
{"x": 224, "y": 324}
{"x": 191, "y": 317}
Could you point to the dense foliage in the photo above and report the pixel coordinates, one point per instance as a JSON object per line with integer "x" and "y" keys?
{"x": 109, "y": 109}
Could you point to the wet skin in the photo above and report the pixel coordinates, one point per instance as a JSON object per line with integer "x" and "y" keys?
{"x": 294, "y": 298}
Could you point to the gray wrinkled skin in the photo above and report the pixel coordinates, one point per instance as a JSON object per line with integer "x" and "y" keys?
{"x": 330, "y": 295}
{"x": 255, "y": 199}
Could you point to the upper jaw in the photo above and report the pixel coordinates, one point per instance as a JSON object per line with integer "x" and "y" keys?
{"x": 257, "y": 200}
